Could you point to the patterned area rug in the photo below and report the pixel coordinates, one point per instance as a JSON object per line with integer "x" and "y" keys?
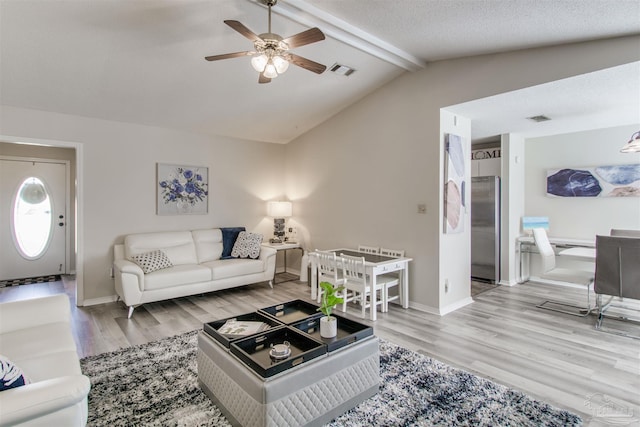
{"x": 155, "y": 384}
{"x": 29, "y": 280}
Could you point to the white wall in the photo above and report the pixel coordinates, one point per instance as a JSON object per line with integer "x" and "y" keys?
{"x": 579, "y": 217}
{"x": 358, "y": 177}
{"x": 119, "y": 180}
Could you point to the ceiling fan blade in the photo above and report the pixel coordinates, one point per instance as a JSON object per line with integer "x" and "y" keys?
{"x": 228, "y": 56}
{"x": 263, "y": 79}
{"x": 239, "y": 27}
{"x": 305, "y": 63}
{"x": 309, "y": 36}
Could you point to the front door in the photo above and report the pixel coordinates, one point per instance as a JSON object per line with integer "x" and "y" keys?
{"x": 33, "y": 217}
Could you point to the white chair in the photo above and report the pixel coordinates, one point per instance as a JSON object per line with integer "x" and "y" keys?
{"x": 368, "y": 249}
{"x": 358, "y": 286}
{"x": 328, "y": 270}
{"x": 578, "y": 277}
{"x": 390, "y": 280}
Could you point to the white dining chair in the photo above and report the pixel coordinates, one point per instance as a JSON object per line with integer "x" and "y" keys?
{"x": 328, "y": 270}
{"x": 358, "y": 286}
{"x": 368, "y": 249}
{"x": 566, "y": 275}
{"x": 390, "y": 280}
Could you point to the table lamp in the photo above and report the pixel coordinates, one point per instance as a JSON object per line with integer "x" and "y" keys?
{"x": 279, "y": 211}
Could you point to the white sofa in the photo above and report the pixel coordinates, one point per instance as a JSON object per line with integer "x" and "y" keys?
{"x": 197, "y": 266}
{"x": 35, "y": 335}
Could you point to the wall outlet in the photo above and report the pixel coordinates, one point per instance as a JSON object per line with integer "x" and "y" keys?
{"x": 446, "y": 286}
{"x": 422, "y": 209}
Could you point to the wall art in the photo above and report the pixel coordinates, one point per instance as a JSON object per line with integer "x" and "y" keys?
{"x": 182, "y": 190}
{"x": 599, "y": 181}
{"x": 454, "y": 186}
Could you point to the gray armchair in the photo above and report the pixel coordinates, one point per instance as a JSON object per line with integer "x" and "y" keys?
{"x": 617, "y": 270}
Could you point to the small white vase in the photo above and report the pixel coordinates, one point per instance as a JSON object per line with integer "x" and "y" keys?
{"x": 328, "y": 327}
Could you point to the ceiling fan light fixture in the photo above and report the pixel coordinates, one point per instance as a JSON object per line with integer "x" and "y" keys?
{"x": 280, "y": 63}
{"x": 259, "y": 62}
{"x": 270, "y": 70}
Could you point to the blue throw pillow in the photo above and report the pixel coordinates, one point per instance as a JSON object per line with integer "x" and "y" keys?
{"x": 10, "y": 375}
{"x": 229, "y": 237}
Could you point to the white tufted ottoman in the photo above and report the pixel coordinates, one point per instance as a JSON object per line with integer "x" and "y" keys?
{"x": 311, "y": 394}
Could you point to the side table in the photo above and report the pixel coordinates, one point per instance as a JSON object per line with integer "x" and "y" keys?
{"x": 283, "y": 247}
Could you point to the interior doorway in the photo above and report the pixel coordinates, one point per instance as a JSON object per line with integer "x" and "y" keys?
{"x": 71, "y": 152}
{"x": 34, "y": 195}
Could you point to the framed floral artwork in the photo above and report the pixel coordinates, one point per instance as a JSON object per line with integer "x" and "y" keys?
{"x": 182, "y": 190}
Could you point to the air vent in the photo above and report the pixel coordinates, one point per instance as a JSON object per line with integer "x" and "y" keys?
{"x": 538, "y": 119}
{"x": 343, "y": 70}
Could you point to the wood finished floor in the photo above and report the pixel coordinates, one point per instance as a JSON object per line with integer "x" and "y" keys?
{"x": 502, "y": 336}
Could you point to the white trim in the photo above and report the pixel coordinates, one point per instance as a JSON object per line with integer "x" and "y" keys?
{"x": 79, "y": 198}
{"x": 101, "y": 300}
{"x": 441, "y": 311}
{"x": 310, "y": 16}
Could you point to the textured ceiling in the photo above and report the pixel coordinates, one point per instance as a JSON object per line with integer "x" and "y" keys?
{"x": 142, "y": 61}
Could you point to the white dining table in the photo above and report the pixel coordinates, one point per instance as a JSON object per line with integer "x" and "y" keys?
{"x": 375, "y": 265}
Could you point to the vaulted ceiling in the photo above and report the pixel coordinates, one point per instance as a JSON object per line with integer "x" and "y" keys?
{"x": 142, "y": 61}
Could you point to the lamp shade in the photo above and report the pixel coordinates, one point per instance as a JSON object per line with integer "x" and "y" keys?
{"x": 279, "y": 209}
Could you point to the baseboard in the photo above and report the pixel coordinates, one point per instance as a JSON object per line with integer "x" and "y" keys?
{"x": 508, "y": 283}
{"x": 440, "y": 311}
{"x": 553, "y": 282}
{"x": 98, "y": 301}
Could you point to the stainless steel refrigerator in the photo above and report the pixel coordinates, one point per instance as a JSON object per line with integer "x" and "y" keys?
{"x": 485, "y": 228}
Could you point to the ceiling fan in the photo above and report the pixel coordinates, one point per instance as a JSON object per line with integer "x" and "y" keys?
{"x": 271, "y": 56}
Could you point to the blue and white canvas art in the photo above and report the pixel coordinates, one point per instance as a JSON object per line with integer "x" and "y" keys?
{"x": 182, "y": 189}
{"x": 600, "y": 181}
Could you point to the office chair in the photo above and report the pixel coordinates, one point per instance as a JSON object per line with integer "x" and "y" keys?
{"x": 566, "y": 275}
{"x": 617, "y": 270}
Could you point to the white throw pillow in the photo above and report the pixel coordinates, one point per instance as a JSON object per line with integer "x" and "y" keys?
{"x": 152, "y": 261}
{"x": 11, "y": 376}
{"x": 247, "y": 245}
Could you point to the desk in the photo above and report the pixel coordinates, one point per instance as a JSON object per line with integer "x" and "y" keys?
{"x": 283, "y": 247}
{"x": 374, "y": 265}
{"x": 579, "y": 249}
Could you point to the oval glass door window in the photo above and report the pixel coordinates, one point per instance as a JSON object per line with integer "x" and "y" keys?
{"x": 32, "y": 218}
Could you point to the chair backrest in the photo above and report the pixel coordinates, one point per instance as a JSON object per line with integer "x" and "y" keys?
{"x": 618, "y": 266}
{"x": 391, "y": 252}
{"x": 327, "y": 267}
{"x": 547, "y": 254}
{"x": 353, "y": 270}
{"x": 368, "y": 249}
{"x": 625, "y": 233}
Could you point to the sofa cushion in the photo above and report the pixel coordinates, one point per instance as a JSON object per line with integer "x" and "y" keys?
{"x": 225, "y": 268}
{"x": 208, "y": 244}
{"x": 152, "y": 261}
{"x": 247, "y": 245}
{"x": 178, "y": 245}
{"x": 11, "y": 375}
{"x": 229, "y": 236}
{"x": 43, "y": 352}
{"x": 176, "y": 276}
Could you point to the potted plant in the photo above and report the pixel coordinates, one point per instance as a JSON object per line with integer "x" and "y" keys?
{"x": 328, "y": 323}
